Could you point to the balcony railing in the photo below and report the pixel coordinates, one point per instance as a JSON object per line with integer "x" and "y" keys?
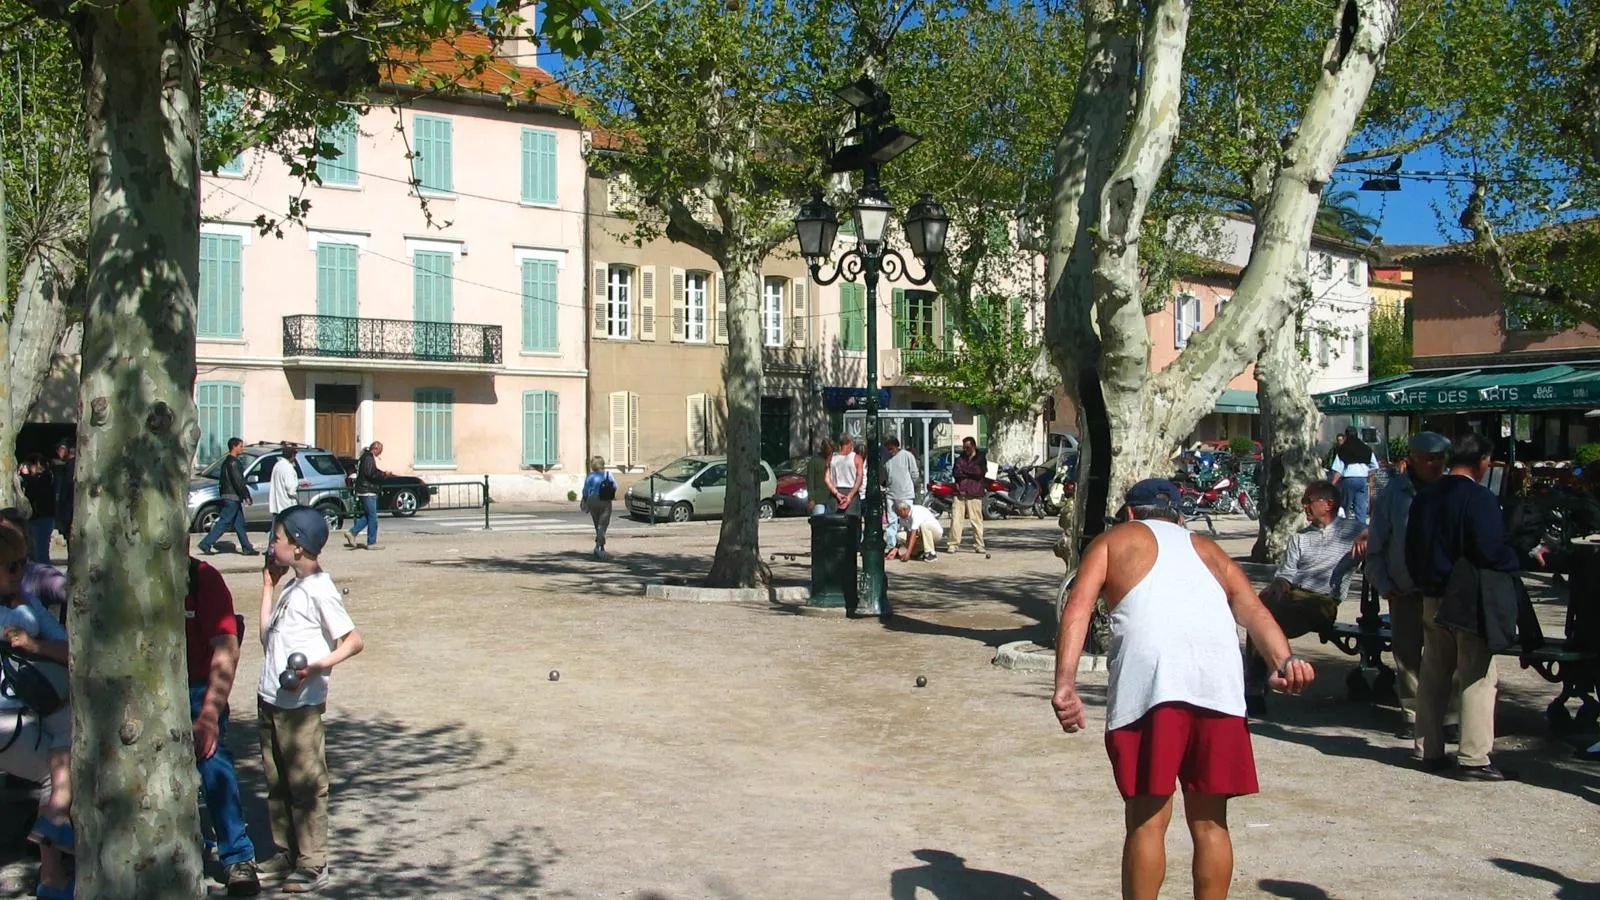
{"x": 923, "y": 362}
{"x": 401, "y": 340}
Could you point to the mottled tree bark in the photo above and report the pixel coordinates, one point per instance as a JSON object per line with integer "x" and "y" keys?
{"x": 10, "y": 489}
{"x": 738, "y": 559}
{"x": 39, "y": 321}
{"x": 133, "y": 754}
{"x": 1289, "y": 422}
{"x": 1012, "y": 438}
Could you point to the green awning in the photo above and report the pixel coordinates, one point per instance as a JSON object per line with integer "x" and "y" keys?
{"x": 1236, "y": 401}
{"x": 1490, "y": 388}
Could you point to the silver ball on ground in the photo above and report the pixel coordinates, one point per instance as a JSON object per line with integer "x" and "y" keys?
{"x": 921, "y": 681}
{"x": 555, "y": 675}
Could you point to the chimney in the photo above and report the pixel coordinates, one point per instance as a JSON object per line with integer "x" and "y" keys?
{"x": 521, "y": 44}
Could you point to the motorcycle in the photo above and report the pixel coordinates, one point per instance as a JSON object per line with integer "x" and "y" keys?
{"x": 1014, "y": 493}
{"x": 1223, "y": 497}
{"x": 940, "y": 497}
{"x": 1057, "y": 483}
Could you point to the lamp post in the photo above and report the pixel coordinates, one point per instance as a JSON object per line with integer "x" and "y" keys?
{"x": 816, "y": 226}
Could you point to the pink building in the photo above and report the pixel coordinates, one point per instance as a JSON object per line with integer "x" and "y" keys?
{"x": 460, "y": 342}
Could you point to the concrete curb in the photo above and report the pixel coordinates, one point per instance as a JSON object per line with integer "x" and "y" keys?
{"x": 691, "y": 594}
{"x": 1026, "y": 656}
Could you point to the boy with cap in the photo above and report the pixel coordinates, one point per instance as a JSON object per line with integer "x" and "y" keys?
{"x": 307, "y": 618}
{"x": 1175, "y": 694}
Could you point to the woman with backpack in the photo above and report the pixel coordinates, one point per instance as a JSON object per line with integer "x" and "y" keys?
{"x": 599, "y": 489}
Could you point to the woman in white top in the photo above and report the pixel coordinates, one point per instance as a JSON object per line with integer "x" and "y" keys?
{"x": 1353, "y": 464}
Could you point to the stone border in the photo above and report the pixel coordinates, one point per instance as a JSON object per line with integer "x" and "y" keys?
{"x": 660, "y": 591}
{"x": 1026, "y": 656}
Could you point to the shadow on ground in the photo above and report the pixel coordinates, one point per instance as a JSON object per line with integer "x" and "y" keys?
{"x": 947, "y": 877}
{"x": 385, "y": 780}
{"x": 1293, "y": 890}
{"x": 1566, "y": 887}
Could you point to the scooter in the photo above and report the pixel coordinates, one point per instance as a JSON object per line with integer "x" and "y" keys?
{"x": 1223, "y": 497}
{"x": 940, "y": 497}
{"x": 1014, "y": 493}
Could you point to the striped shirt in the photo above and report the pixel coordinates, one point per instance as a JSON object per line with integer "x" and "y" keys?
{"x": 1319, "y": 560}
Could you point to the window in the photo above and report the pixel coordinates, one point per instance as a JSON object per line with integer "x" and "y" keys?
{"x": 853, "y": 317}
{"x": 432, "y": 301}
{"x": 1358, "y": 350}
{"x": 772, "y": 312}
{"x": 336, "y": 298}
{"x": 1185, "y": 319}
{"x": 539, "y": 306}
{"x": 221, "y": 280}
{"x": 435, "y": 411}
{"x": 324, "y": 463}
{"x": 1325, "y": 265}
{"x": 538, "y": 166}
{"x": 218, "y": 403}
{"x": 694, "y": 307}
{"x": 1352, "y": 271}
{"x": 430, "y": 154}
{"x": 1324, "y": 349}
{"x": 619, "y": 302}
{"x": 913, "y": 319}
{"x": 233, "y": 166}
{"x": 1222, "y": 303}
{"x": 541, "y": 445}
{"x": 339, "y": 167}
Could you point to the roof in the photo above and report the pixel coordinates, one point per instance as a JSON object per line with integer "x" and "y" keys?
{"x": 469, "y": 59}
{"x": 1516, "y": 387}
{"x": 1468, "y": 250}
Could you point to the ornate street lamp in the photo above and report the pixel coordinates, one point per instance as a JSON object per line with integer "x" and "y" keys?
{"x": 816, "y": 226}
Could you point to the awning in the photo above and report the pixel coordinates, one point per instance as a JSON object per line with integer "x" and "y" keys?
{"x": 1510, "y": 388}
{"x": 1237, "y": 401}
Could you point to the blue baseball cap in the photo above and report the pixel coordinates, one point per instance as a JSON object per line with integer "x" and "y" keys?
{"x": 1153, "y": 492}
{"x": 306, "y": 528}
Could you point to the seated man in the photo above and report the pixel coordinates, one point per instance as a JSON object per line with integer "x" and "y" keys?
{"x": 915, "y": 529}
{"x": 1312, "y": 579}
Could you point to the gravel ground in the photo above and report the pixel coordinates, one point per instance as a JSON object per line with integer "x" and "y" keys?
{"x": 739, "y": 751}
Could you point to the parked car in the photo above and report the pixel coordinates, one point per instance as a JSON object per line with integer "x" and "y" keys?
{"x": 321, "y": 486}
{"x": 693, "y": 486}
{"x": 792, "y": 497}
{"x": 402, "y": 495}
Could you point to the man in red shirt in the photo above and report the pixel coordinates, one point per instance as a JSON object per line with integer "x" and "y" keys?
{"x": 212, "y": 632}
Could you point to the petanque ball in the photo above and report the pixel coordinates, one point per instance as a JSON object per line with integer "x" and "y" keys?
{"x": 297, "y": 661}
{"x": 921, "y": 681}
{"x": 555, "y": 675}
{"x": 289, "y": 681}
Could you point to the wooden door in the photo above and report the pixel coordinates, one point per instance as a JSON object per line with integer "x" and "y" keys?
{"x": 336, "y": 418}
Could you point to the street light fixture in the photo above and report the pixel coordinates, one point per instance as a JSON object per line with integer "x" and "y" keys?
{"x": 816, "y": 226}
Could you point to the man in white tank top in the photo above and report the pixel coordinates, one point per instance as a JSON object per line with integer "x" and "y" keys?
{"x": 1175, "y": 700}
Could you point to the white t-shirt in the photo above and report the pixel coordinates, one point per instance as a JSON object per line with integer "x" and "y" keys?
{"x": 922, "y": 516}
{"x": 31, "y": 617}
{"x": 283, "y": 492}
{"x": 309, "y": 618}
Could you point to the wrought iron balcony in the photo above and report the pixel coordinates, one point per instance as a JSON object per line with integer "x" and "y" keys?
{"x": 380, "y": 343}
{"x": 923, "y": 362}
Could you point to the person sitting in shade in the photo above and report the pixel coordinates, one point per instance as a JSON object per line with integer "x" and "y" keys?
{"x": 913, "y": 532}
{"x": 1312, "y": 580}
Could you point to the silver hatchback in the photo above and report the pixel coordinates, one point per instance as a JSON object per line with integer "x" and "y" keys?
{"x": 322, "y": 485}
{"x": 693, "y": 486}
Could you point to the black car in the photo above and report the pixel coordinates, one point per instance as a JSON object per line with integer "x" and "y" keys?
{"x": 402, "y": 495}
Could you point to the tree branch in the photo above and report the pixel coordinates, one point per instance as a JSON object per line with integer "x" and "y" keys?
{"x": 1475, "y": 220}
{"x": 1398, "y": 148}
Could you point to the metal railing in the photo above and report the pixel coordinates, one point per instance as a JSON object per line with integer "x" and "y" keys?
{"x": 442, "y": 496}
{"x": 344, "y": 337}
{"x": 923, "y": 362}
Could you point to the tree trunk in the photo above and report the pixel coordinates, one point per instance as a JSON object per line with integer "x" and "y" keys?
{"x": 738, "y": 559}
{"x": 1012, "y": 438}
{"x": 1289, "y": 423}
{"x": 10, "y": 488}
{"x": 38, "y": 322}
{"x": 132, "y": 752}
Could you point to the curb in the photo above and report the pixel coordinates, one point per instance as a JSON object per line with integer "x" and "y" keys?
{"x": 659, "y": 591}
{"x": 1026, "y": 656}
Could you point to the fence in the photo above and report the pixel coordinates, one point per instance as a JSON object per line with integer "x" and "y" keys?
{"x": 441, "y": 495}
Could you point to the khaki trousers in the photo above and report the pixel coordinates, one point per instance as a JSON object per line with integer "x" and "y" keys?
{"x": 297, "y": 781}
{"x": 1449, "y": 654}
{"x": 927, "y": 543}
{"x": 960, "y": 510}
{"x": 1405, "y": 626}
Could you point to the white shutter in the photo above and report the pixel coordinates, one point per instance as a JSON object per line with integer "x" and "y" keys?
{"x": 696, "y": 433}
{"x": 680, "y": 304}
{"x": 599, "y": 293}
{"x": 621, "y": 446}
{"x": 647, "y": 303}
{"x": 722, "y": 309}
{"x": 633, "y": 428}
{"x": 799, "y": 320}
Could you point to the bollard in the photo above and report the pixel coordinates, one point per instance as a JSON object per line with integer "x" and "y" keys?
{"x": 652, "y": 498}
{"x": 486, "y": 503}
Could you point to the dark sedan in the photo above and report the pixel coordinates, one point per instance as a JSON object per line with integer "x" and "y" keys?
{"x": 402, "y": 495}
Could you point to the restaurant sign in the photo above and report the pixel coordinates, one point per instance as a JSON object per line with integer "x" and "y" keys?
{"x": 1444, "y": 398}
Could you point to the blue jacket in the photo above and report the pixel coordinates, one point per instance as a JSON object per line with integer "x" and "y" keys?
{"x": 1455, "y": 518}
{"x": 591, "y": 485}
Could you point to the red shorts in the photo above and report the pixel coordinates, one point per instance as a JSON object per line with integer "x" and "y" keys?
{"x": 1207, "y": 752}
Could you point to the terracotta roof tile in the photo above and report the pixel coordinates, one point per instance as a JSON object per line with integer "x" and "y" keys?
{"x": 469, "y": 59}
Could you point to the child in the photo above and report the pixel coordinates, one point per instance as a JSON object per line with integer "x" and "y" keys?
{"x": 308, "y": 618}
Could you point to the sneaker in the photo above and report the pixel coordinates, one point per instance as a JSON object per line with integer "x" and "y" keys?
{"x": 209, "y": 551}
{"x": 930, "y": 556}
{"x": 249, "y": 551}
{"x": 274, "y": 870}
{"x": 1491, "y": 772}
{"x": 371, "y": 547}
{"x": 306, "y": 881}
{"x": 349, "y": 540}
{"x": 242, "y": 879}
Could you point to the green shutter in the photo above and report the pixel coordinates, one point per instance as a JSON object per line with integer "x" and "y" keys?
{"x": 949, "y": 307}
{"x": 339, "y": 168}
{"x": 538, "y": 166}
{"x": 431, "y": 154}
{"x": 539, "y": 306}
{"x": 853, "y": 312}
{"x": 435, "y": 440}
{"x": 541, "y": 428}
{"x": 432, "y": 302}
{"x": 218, "y": 406}
{"x": 1018, "y": 314}
{"x": 336, "y": 298}
{"x": 219, "y": 311}
{"x": 902, "y": 316}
